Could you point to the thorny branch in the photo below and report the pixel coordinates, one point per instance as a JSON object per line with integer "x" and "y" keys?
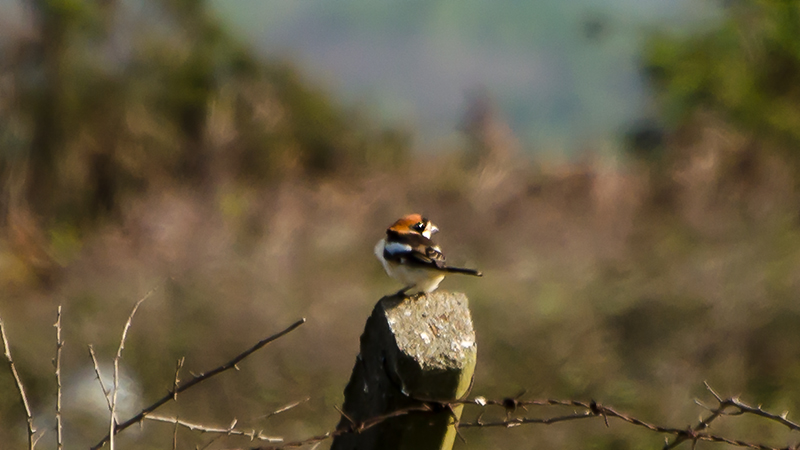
{"x": 197, "y": 379}
{"x": 99, "y": 376}
{"x": 113, "y": 416}
{"x": 731, "y": 406}
{"x": 57, "y": 362}
{"x": 230, "y": 431}
{"x": 582, "y": 410}
{"x": 20, "y": 388}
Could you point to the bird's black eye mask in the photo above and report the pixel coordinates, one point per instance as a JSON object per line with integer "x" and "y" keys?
{"x": 419, "y": 226}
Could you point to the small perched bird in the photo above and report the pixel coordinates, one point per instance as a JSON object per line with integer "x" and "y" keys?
{"x": 410, "y": 256}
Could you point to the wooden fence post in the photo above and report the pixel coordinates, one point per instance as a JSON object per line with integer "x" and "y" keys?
{"x": 413, "y": 348}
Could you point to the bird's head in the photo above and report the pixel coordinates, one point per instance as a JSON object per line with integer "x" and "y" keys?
{"x": 414, "y": 224}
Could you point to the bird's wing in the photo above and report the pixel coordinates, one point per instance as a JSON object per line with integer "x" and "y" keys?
{"x": 414, "y": 249}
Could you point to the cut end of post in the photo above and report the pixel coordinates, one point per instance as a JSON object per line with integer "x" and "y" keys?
{"x": 434, "y": 329}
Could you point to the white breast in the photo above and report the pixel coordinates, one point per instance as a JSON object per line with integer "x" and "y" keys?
{"x": 423, "y": 280}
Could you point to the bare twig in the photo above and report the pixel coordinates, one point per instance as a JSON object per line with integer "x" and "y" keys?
{"x": 354, "y": 427}
{"x": 175, "y": 382}
{"x": 197, "y": 379}
{"x": 59, "y": 345}
{"x": 20, "y": 388}
{"x": 39, "y": 435}
{"x": 175, "y": 434}
{"x": 230, "y": 431}
{"x": 99, "y": 376}
{"x": 113, "y": 416}
{"x": 210, "y": 442}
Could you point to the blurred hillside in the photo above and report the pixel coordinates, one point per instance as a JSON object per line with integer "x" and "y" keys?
{"x": 142, "y": 146}
{"x": 564, "y": 72}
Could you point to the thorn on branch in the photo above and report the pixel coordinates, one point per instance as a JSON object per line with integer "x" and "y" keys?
{"x": 708, "y": 388}
{"x": 354, "y": 427}
{"x": 283, "y": 409}
{"x": 177, "y": 380}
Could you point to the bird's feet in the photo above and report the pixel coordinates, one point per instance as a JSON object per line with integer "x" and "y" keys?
{"x": 402, "y": 292}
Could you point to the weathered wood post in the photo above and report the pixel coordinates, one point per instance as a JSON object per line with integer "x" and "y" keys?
{"x": 411, "y": 349}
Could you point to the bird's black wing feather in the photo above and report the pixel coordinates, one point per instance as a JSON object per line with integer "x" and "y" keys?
{"x": 423, "y": 252}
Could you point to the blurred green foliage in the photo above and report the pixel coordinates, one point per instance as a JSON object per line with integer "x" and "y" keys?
{"x": 112, "y": 99}
{"x": 746, "y": 69}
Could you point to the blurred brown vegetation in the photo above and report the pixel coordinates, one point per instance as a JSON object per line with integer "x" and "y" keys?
{"x": 143, "y": 146}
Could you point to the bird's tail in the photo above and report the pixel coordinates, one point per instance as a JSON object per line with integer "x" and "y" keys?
{"x": 473, "y": 272}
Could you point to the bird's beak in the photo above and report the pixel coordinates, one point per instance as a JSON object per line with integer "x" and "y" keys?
{"x": 434, "y": 229}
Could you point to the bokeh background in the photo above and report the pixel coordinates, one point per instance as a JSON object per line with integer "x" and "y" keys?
{"x": 625, "y": 173}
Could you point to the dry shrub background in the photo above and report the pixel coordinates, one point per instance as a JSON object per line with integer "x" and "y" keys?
{"x": 250, "y": 200}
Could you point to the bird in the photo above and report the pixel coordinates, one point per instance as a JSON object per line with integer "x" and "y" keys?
{"x": 408, "y": 255}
